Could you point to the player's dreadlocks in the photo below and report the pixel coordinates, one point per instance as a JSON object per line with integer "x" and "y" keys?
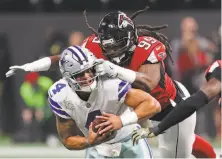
{"x": 144, "y": 30}
{"x": 91, "y": 28}
{"x": 147, "y": 30}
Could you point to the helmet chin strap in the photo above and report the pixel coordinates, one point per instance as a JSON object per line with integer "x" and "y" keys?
{"x": 89, "y": 88}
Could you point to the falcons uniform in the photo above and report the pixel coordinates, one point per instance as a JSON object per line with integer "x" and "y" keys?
{"x": 109, "y": 98}
{"x": 178, "y": 140}
{"x": 148, "y": 51}
{"x": 67, "y": 104}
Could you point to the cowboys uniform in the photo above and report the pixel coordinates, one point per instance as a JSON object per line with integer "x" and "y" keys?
{"x": 107, "y": 95}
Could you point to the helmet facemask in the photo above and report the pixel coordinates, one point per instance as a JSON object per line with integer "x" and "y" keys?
{"x": 120, "y": 52}
{"x": 86, "y": 80}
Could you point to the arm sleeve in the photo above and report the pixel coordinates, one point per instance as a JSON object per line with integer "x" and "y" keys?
{"x": 39, "y": 65}
{"x": 182, "y": 111}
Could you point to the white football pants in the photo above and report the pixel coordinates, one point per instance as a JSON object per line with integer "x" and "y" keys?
{"x": 177, "y": 141}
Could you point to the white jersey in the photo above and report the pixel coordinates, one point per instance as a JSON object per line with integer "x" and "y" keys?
{"x": 108, "y": 97}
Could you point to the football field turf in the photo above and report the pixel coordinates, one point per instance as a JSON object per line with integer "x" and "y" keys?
{"x": 47, "y": 152}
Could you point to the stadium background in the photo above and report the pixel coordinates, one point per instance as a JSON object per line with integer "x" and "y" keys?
{"x": 31, "y": 29}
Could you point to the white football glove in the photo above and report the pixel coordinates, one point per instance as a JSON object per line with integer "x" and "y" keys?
{"x": 106, "y": 68}
{"x": 140, "y": 134}
{"x": 14, "y": 69}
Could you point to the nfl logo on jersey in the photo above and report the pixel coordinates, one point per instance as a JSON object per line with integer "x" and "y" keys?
{"x": 69, "y": 105}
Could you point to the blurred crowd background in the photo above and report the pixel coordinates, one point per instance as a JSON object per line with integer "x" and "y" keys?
{"x": 32, "y": 29}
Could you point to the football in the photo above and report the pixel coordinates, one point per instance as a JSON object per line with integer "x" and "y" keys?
{"x": 96, "y": 122}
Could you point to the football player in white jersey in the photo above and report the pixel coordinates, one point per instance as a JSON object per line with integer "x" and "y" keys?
{"x": 82, "y": 95}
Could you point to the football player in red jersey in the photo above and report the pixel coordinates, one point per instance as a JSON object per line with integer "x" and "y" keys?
{"x": 186, "y": 108}
{"x": 141, "y": 50}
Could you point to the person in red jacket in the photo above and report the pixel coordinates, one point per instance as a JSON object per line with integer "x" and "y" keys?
{"x": 136, "y": 54}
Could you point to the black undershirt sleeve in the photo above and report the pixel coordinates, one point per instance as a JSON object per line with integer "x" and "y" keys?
{"x": 182, "y": 111}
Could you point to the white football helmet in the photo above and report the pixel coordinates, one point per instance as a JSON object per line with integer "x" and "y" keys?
{"x": 75, "y": 61}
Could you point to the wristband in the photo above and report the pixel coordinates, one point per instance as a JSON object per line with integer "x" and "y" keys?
{"x": 128, "y": 118}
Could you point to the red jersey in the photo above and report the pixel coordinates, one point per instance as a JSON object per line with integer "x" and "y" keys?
{"x": 214, "y": 70}
{"x": 148, "y": 51}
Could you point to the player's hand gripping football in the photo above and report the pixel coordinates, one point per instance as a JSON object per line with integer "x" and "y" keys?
{"x": 14, "y": 69}
{"x": 111, "y": 123}
{"x": 106, "y": 68}
{"x": 142, "y": 133}
{"x": 94, "y": 138}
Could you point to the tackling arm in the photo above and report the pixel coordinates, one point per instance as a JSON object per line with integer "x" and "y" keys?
{"x": 147, "y": 77}
{"x": 54, "y": 59}
{"x": 40, "y": 65}
{"x": 148, "y": 74}
{"x": 190, "y": 105}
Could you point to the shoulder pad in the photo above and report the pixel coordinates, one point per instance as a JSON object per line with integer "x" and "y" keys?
{"x": 92, "y": 44}
{"x": 158, "y": 54}
{"x": 117, "y": 88}
{"x": 148, "y": 50}
{"x": 57, "y": 94}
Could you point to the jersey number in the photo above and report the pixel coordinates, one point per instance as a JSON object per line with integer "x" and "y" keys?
{"x": 96, "y": 40}
{"x": 58, "y": 88}
{"x": 91, "y": 117}
{"x": 146, "y": 43}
